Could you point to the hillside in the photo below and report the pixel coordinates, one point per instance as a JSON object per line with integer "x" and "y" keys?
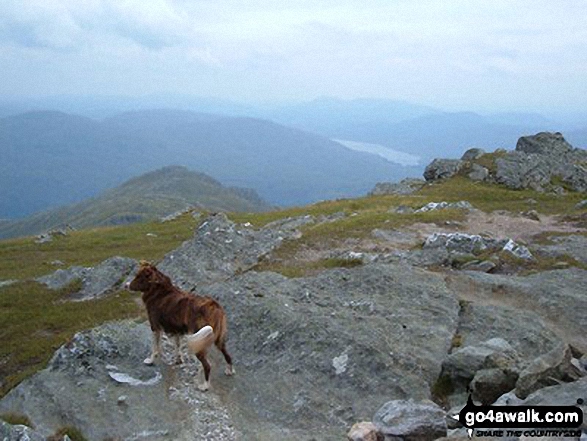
{"x": 51, "y": 158}
{"x": 147, "y": 197}
{"x": 341, "y": 311}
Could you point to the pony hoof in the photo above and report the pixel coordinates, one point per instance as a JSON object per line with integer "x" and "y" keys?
{"x": 204, "y": 386}
{"x": 148, "y": 361}
{"x": 229, "y": 371}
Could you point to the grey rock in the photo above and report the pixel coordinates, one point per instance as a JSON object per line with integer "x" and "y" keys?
{"x": 106, "y": 277}
{"x": 442, "y": 169}
{"x": 548, "y": 294}
{"x": 472, "y": 154}
{"x": 364, "y": 431}
{"x": 403, "y": 209}
{"x": 220, "y": 249}
{"x": 565, "y": 394}
{"x": 427, "y": 257}
{"x": 388, "y": 329}
{"x": 508, "y": 399}
{"x": 43, "y": 238}
{"x": 490, "y": 384}
{"x": 63, "y": 277}
{"x": 573, "y": 245}
{"x": 581, "y": 205}
{"x": 526, "y": 332}
{"x": 484, "y": 266}
{"x": 9, "y": 432}
{"x": 410, "y": 420}
{"x": 404, "y": 187}
{"x": 547, "y": 370}
{"x": 461, "y": 242}
{"x": 478, "y": 173}
{"x": 540, "y": 158}
{"x": 462, "y": 365}
{"x": 432, "y": 206}
{"x": 78, "y": 386}
{"x": 177, "y": 214}
{"x": 7, "y": 282}
{"x": 544, "y": 143}
{"x": 96, "y": 281}
{"x": 531, "y": 214}
{"x": 517, "y": 250}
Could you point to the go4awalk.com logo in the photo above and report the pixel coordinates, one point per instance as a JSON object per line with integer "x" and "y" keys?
{"x": 528, "y": 421}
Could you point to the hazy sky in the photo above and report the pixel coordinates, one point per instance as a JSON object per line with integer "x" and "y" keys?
{"x": 507, "y": 54}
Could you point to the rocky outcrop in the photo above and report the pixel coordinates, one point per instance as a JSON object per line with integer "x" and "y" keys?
{"x": 96, "y": 281}
{"x": 405, "y": 186}
{"x": 9, "y": 432}
{"x": 442, "y": 169}
{"x": 294, "y": 342}
{"x": 410, "y": 421}
{"x": 548, "y": 294}
{"x": 547, "y": 370}
{"x": 220, "y": 249}
{"x": 542, "y": 162}
{"x": 89, "y": 385}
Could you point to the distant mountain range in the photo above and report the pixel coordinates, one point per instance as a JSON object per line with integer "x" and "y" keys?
{"x": 51, "y": 158}
{"x": 149, "y": 196}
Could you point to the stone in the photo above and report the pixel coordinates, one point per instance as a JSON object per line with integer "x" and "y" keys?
{"x": 517, "y": 250}
{"x": 442, "y": 169}
{"x": 404, "y": 187}
{"x": 485, "y": 266}
{"x": 432, "y": 206}
{"x": 403, "y": 209}
{"x": 410, "y": 420}
{"x": 97, "y": 281}
{"x": 490, "y": 384}
{"x": 544, "y": 143}
{"x": 220, "y": 249}
{"x": 548, "y": 293}
{"x": 364, "y": 431}
{"x": 581, "y": 205}
{"x": 462, "y": 365}
{"x": 547, "y": 370}
{"x": 472, "y": 154}
{"x": 10, "y": 432}
{"x": 460, "y": 242}
{"x": 531, "y": 214}
{"x": 478, "y": 173}
{"x": 565, "y": 394}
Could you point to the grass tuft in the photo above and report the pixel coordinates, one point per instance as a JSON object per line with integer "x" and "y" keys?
{"x": 17, "y": 419}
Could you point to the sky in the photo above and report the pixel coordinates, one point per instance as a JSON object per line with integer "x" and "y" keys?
{"x": 526, "y": 55}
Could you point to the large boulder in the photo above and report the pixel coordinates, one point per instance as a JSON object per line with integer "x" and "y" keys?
{"x": 352, "y": 335}
{"x": 96, "y": 281}
{"x": 220, "y": 249}
{"x": 554, "y": 299}
{"x": 547, "y": 370}
{"x": 463, "y": 364}
{"x": 10, "y": 432}
{"x": 405, "y": 186}
{"x": 410, "y": 420}
{"x": 442, "y": 169}
{"x": 544, "y": 143}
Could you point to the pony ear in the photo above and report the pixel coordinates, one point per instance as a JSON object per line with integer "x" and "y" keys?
{"x": 144, "y": 263}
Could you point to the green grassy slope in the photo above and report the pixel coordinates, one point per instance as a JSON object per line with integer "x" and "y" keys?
{"x": 146, "y": 197}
